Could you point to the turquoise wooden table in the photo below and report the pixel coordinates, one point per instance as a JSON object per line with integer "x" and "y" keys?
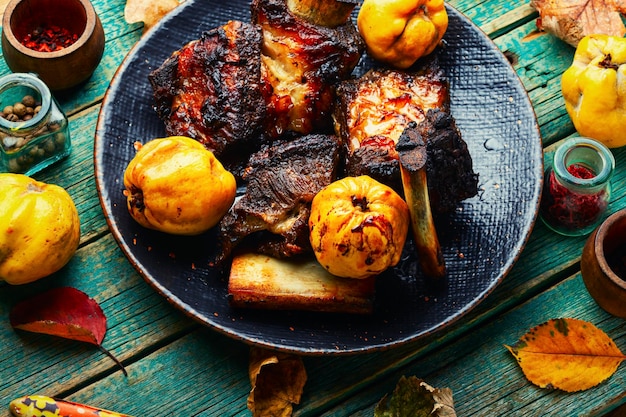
{"x": 178, "y": 367}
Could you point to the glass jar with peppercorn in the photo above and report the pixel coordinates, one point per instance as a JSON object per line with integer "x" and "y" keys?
{"x": 33, "y": 129}
{"x": 577, "y": 187}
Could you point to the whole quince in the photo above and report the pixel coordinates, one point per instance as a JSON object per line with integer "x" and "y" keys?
{"x": 593, "y": 89}
{"x": 175, "y": 185}
{"x": 399, "y": 32}
{"x": 358, "y": 227}
{"x": 39, "y": 228}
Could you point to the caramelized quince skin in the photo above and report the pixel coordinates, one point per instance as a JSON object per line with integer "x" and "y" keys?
{"x": 358, "y": 227}
{"x": 399, "y": 32}
{"x": 177, "y": 186}
{"x": 39, "y": 228}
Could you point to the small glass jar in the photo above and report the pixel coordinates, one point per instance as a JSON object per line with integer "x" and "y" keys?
{"x": 577, "y": 187}
{"x": 33, "y": 129}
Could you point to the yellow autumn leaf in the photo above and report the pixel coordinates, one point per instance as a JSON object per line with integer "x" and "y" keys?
{"x": 567, "y": 354}
{"x": 277, "y": 380}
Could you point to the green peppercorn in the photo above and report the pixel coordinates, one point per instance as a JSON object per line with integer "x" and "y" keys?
{"x": 14, "y": 165}
{"x": 49, "y": 146}
{"x": 9, "y": 142}
{"x": 60, "y": 138}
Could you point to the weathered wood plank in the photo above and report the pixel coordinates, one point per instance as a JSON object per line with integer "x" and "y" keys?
{"x": 202, "y": 374}
{"x": 478, "y": 368}
{"x": 135, "y": 309}
{"x": 38, "y": 363}
{"x": 508, "y": 20}
{"x": 482, "y": 13}
{"x": 214, "y": 378}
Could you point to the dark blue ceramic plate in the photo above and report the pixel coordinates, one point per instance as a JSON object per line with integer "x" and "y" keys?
{"x": 481, "y": 241}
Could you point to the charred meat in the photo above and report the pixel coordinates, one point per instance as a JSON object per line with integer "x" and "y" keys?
{"x": 302, "y": 60}
{"x": 210, "y": 90}
{"x": 451, "y": 177}
{"x": 372, "y": 113}
{"x": 244, "y": 84}
{"x": 272, "y": 216}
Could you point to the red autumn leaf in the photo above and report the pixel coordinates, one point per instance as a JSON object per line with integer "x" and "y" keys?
{"x": 571, "y": 20}
{"x": 65, "y": 312}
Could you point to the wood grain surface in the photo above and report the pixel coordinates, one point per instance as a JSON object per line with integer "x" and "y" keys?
{"x": 177, "y": 367}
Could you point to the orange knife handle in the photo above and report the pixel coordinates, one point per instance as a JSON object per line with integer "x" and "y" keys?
{"x": 42, "y": 406}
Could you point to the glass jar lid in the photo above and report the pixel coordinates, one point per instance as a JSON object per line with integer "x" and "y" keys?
{"x": 588, "y": 153}
{"x": 13, "y": 87}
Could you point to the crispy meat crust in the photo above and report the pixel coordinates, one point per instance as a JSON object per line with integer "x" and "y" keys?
{"x": 374, "y": 110}
{"x": 302, "y": 61}
{"x": 210, "y": 89}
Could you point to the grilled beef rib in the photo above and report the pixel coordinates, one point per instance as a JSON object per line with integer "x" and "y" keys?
{"x": 272, "y": 216}
{"x": 374, "y": 110}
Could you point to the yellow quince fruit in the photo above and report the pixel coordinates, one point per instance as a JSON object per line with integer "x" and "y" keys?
{"x": 175, "y": 185}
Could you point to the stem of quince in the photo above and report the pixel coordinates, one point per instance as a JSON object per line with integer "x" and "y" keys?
{"x": 607, "y": 62}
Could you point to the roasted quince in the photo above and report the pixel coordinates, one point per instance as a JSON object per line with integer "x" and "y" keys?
{"x": 358, "y": 227}
{"x": 399, "y": 32}
{"x": 175, "y": 185}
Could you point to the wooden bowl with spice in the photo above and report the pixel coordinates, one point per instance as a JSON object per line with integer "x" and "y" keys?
{"x": 62, "y": 41}
{"x": 603, "y": 264}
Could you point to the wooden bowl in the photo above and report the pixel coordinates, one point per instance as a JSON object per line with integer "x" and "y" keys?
{"x": 64, "y": 68}
{"x": 603, "y": 264}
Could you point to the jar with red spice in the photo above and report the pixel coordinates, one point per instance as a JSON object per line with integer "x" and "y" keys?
{"x": 577, "y": 187}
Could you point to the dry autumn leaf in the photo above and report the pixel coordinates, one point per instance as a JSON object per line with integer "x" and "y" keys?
{"x": 3, "y": 6}
{"x": 567, "y": 354}
{"x": 572, "y": 20}
{"x": 277, "y": 381}
{"x": 148, "y": 11}
{"x": 413, "y": 397}
{"x": 64, "y": 312}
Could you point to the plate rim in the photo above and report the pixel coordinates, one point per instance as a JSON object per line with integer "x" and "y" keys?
{"x": 104, "y": 197}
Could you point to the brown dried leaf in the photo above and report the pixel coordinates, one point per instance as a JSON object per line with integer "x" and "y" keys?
{"x": 277, "y": 381}
{"x": 567, "y": 354}
{"x": 148, "y": 11}
{"x": 571, "y": 20}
